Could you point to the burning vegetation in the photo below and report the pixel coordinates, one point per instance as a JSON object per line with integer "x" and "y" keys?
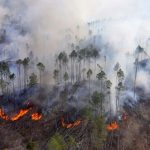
{"x": 84, "y": 106}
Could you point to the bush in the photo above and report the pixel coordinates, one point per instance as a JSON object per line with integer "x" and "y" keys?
{"x": 57, "y": 142}
{"x": 31, "y": 146}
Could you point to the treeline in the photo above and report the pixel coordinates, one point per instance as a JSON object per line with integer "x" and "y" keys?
{"x": 81, "y": 65}
{"x": 21, "y": 79}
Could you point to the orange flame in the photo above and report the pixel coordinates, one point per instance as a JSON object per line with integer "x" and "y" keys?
{"x": 112, "y": 126}
{"x": 36, "y": 116}
{"x": 20, "y": 114}
{"x": 69, "y": 125}
{"x": 2, "y": 115}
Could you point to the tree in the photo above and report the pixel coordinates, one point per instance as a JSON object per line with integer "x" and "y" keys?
{"x": 60, "y": 59}
{"x": 41, "y": 69}
{"x": 97, "y": 101}
{"x": 98, "y": 133}
{"x": 25, "y": 64}
{"x": 89, "y": 73}
{"x": 4, "y": 76}
{"x": 116, "y": 68}
{"x": 120, "y": 75}
{"x": 31, "y": 146}
{"x": 79, "y": 65}
{"x": 73, "y": 57}
{"x": 108, "y": 86}
{"x": 101, "y": 76}
{"x": 66, "y": 77}
{"x": 95, "y": 55}
{"x": 89, "y": 55}
{"x": 71, "y": 144}
{"x": 19, "y": 63}
{"x": 82, "y": 53}
{"x": 32, "y": 80}
{"x": 57, "y": 142}
{"x": 56, "y": 75}
{"x": 12, "y": 78}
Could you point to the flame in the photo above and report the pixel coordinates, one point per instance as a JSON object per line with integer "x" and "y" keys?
{"x": 69, "y": 125}
{"x": 36, "y": 116}
{"x": 112, "y": 126}
{"x": 3, "y": 116}
{"x": 21, "y": 113}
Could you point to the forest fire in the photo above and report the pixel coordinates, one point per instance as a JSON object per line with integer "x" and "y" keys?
{"x": 70, "y": 125}
{"x": 20, "y": 114}
{"x": 2, "y": 115}
{"x": 112, "y": 126}
{"x": 36, "y": 116}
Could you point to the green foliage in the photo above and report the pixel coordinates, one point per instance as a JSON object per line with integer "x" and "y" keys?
{"x": 56, "y": 75}
{"x": 57, "y": 142}
{"x": 71, "y": 141}
{"x": 101, "y": 75}
{"x": 89, "y": 73}
{"x": 98, "y": 134}
{"x": 108, "y": 84}
{"x": 31, "y": 146}
{"x": 66, "y": 76}
{"x": 86, "y": 113}
{"x": 97, "y": 98}
{"x": 33, "y": 80}
{"x": 19, "y": 62}
{"x": 116, "y": 67}
{"x": 73, "y": 54}
{"x": 26, "y": 61}
{"x": 40, "y": 66}
{"x": 120, "y": 74}
{"x": 12, "y": 76}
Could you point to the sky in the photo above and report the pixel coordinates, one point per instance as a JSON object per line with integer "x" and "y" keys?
{"x": 126, "y": 22}
{"x": 125, "y": 25}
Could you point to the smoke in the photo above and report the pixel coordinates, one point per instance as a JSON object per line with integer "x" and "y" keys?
{"x": 41, "y": 26}
{"x": 125, "y": 23}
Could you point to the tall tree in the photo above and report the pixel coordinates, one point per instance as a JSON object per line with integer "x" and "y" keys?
{"x": 95, "y": 55}
{"x": 73, "y": 57}
{"x": 19, "y": 63}
{"x": 101, "y": 76}
{"x": 12, "y": 79}
{"x": 4, "y": 73}
{"x": 116, "y": 68}
{"x": 108, "y": 86}
{"x": 89, "y": 73}
{"x": 2, "y": 80}
{"x": 56, "y": 76}
{"x": 97, "y": 101}
{"x": 32, "y": 80}
{"x": 60, "y": 60}
{"x": 120, "y": 87}
{"x": 66, "y": 77}
{"x": 41, "y": 69}
{"x": 25, "y": 64}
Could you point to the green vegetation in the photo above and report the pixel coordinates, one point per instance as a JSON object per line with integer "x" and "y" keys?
{"x": 31, "y": 146}
{"x": 57, "y": 142}
{"x": 33, "y": 80}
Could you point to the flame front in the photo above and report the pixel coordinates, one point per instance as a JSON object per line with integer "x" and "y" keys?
{"x": 36, "y": 116}
{"x": 2, "y": 115}
{"x": 112, "y": 126}
{"x": 69, "y": 125}
{"x": 20, "y": 114}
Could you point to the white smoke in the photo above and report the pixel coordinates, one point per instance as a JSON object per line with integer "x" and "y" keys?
{"x": 124, "y": 25}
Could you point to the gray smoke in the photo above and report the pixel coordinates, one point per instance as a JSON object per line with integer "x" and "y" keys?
{"x": 41, "y": 26}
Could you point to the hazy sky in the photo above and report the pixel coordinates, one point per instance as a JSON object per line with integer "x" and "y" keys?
{"x": 128, "y": 21}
